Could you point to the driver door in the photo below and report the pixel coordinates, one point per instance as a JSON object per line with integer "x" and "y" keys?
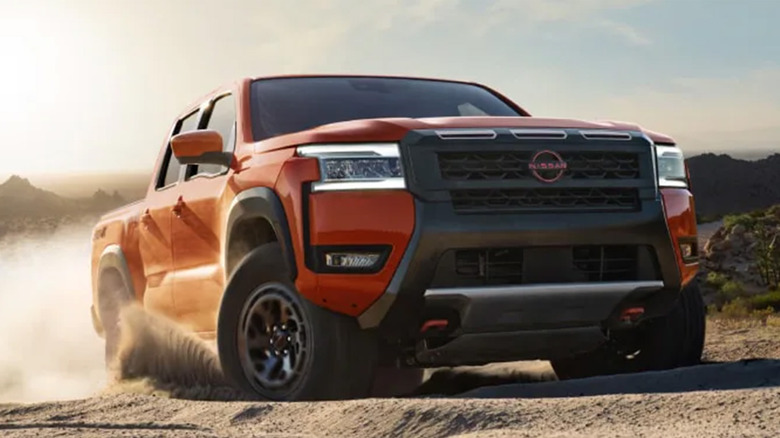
{"x": 154, "y": 231}
{"x": 197, "y": 227}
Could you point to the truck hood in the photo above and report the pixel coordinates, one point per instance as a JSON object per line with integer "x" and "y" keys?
{"x": 394, "y": 129}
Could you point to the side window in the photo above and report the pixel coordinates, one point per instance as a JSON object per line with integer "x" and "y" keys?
{"x": 221, "y": 118}
{"x": 171, "y": 167}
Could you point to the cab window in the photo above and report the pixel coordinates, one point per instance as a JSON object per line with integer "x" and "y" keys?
{"x": 169, "y": 172}
{"x": 221, "y": 117}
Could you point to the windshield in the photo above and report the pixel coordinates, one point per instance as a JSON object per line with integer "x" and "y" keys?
{"x": 286, "y": 105}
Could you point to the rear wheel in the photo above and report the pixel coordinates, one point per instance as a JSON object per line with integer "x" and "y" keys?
{"x": 671, "y": 341}
{"x": 275, "y": 344}
{"x": 113, "y": 296}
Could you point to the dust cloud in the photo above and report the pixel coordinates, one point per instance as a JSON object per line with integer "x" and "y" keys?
{"x": 48, "y": 349}
{"x": 157, "y": 357}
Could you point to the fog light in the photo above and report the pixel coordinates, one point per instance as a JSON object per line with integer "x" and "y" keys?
{"x": 686, "y": 249}
{"x": 345, "y": 259}
{"x": 689, "y": 249}
{"x": 351, "y": 260}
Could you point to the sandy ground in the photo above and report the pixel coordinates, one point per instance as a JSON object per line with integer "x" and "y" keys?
{"x": 724, "y": 397}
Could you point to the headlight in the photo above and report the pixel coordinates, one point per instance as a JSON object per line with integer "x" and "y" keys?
{"x": 356, "y": 166}
{"x": 671, "y": 167}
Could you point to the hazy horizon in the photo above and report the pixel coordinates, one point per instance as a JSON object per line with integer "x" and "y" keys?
{"x": 133, "y": 184}
{"x": 96, "y": 84}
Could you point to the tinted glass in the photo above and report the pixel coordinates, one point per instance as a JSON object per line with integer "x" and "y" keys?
{"x": 222, "y": 120}
{"x": 189, "y": 123}
{"x": 171, "y": 165}
{"x": 285, "y": 105}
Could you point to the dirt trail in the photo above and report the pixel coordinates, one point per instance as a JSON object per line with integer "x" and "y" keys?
{"x": 746, "y": 412}
{"x": 716, "y": 399}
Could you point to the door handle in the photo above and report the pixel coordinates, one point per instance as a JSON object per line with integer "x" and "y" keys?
{"x": 177, "y": 209}
{"x": 146, "y": 219}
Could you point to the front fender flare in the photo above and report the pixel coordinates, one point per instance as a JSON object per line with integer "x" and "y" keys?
{"x": 261, "y": 202}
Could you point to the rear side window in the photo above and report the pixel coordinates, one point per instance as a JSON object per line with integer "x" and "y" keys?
{"x": 171, "y": 166}
{"x": 221, "y": 118}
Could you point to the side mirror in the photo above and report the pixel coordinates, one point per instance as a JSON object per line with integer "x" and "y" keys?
{"x": 200, "y": 147}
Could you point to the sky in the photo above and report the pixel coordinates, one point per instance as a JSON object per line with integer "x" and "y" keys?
{"x": 94, "y": 85}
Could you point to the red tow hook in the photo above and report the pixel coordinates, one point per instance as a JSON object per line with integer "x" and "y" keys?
{"x": 631, "y": 314}
{"x": 434, "y": 323}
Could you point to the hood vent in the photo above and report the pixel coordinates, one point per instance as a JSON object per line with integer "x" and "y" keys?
{"x": 539, "y": 134}
{"x": 532, "y": 134}
{"x": 606, "y": 135}
{"x": 467, "y": 134}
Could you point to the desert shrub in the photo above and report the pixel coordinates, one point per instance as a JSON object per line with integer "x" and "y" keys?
{"x": 731, "y": 290}
{"x": 757, "y": 214}
{"x": 748, "y": 220}
{"x": 716, "y": 279}
{"x": 767, "y": 252}
{"x": 738, "y": 308}
{"x": 763, "y": 314}
{"x": 769, "y": 299}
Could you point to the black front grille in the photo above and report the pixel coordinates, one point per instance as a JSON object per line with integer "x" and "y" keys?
{"x": 606, "y": 263}
{"x": 508, "y": 173}
{"x": 494, "y": 266}
{"x": 534, "y": 265}
{"x": 545, "y": 199}
{"x": 498, "y": 166}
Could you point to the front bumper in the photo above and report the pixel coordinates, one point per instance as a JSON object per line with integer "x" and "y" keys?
{"x": 534, "y": 321}
{"x": 528, "y": 321}
{"x": 438, "y": 229}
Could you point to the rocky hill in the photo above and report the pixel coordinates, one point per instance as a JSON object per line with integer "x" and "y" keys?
{"x": 741, "y": 261}
{"x": 20, "y": 199}
{"x": 723, "y": 185}
{"x": 24, "y": 207}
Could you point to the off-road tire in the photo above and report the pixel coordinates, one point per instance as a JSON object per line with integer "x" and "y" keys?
{"x": 113, "y": 295}
{"x": 671, "y": 341}
{"x": 341, "y": 358}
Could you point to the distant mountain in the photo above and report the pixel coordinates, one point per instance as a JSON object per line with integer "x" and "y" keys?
{"x": 132, "y": 186}
{"x": 722, "y": 184}
{"x": 20, "y": 199}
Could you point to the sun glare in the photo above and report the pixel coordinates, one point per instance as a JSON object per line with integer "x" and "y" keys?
{"x": 40, "y": 54}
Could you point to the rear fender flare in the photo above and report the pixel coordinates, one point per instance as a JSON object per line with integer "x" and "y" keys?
{"x": 112, "y": 257}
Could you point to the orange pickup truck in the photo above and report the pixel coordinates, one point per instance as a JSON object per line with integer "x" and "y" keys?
{"x": 330, "y": 234}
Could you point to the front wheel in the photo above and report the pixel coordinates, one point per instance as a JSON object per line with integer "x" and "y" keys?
{"x": 671, "y": 341}
{"x": 274, "y": 344}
